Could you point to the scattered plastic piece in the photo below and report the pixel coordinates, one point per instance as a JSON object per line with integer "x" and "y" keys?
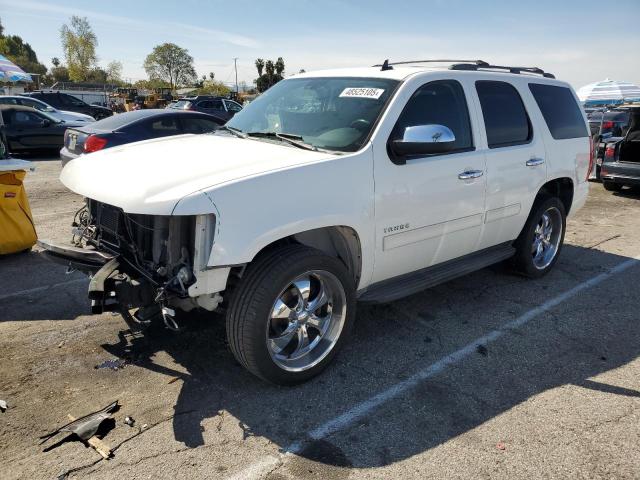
{"x": 129, "y": 421}
{"x": 3, "y": 406}
{"x": 501, "y": 446}
{"x": 84, "y": 427}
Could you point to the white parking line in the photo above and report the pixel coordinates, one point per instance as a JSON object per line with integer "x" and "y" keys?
{"x": 41, "y": 289}
{"x": 260, "y": 468}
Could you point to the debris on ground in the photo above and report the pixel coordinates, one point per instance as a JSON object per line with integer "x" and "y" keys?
{"x": 482, "y": 350}
{"x": 61, "y": 344}
{"x": 3, "y": 406}
{"x": 129, "y": 421}
{"x": 144, "y": 426}
{"x": 173, "y": 380}
{"x": 114, "y": 364}
{"x": 501, "y": 446}
{"x": 84, "y": 427}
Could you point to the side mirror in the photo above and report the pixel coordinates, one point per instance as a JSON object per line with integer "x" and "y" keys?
{"x": 423, "y": 140}
{"x": 45, "y": 122}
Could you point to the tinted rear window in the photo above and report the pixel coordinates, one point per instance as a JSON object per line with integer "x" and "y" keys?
{"x": 115, "y": 122}
{"x": 505, "y": 117}
{"x": 560, "y": 110}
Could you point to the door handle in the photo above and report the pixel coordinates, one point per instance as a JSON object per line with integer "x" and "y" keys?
{"x": 534, "y": 162}
{"x": 469, "y": 174}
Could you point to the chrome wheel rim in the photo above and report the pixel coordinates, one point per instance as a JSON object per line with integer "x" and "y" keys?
{"x": 546, "y": 238}
{"x": 306, "y": 320}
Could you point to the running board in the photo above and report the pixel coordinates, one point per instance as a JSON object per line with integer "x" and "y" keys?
{"x": 410, "y": 283}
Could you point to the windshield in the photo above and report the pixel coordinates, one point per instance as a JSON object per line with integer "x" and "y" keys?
{"x": 327, "y": 113}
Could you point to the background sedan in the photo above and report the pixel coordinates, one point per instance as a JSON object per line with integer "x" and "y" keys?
{"x": 29, "y": 130}
{"x": 132, "y": 127}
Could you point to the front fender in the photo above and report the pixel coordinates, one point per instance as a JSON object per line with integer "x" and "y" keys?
{"x": 255, "y": 212}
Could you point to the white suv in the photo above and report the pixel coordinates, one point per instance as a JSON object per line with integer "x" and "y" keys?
{"x": 332, "y": 187}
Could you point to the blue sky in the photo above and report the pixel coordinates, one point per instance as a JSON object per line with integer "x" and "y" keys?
{"x": 579, "y": 41}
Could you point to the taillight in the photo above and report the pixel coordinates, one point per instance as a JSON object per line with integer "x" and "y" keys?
{"x": 94, "y": 143}
{"x": 607, "y": 125}
{"x": 610, "y": 151}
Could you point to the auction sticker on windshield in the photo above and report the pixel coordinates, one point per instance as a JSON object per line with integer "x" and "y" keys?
{"x": 360, "y": 92}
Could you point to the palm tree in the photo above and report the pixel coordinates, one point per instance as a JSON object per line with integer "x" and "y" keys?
{"x": 259, "y": 66}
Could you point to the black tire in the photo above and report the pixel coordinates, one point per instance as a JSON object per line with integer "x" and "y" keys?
{"x": 611, "y": 186}
{"x": 523, "y": 261}
{"x": 253, "y": 299}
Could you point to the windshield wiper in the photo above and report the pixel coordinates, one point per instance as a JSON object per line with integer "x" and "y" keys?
{"x": 286, "y": 137}
{"x": 235, "y": 131}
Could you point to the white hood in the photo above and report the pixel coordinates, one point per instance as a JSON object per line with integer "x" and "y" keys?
{"x": 152, "y": 176}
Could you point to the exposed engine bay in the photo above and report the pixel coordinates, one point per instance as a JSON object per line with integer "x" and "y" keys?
{"x": 140, "y": 265}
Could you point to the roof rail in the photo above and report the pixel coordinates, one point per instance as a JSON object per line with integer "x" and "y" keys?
{"x": 484, "y": 65}
{"x": 389, "y": 65}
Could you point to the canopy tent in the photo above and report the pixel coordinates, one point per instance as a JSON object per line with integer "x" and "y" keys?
{"x": 608, "y": 92}
{"x": 10, "y": 72}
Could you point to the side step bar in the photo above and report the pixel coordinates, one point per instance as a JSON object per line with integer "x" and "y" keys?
{"x": 410, "y": 283}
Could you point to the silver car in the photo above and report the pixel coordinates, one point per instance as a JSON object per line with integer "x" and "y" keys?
{"x": 63, "y": 115}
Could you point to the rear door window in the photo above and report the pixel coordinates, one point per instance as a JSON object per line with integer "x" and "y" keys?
{"x": 232, "y": 106}
{"x": 163, "y": 126}
{"x": 505, "y": 118}
{"x": 198, "y": 125}
{"x": 560, "y": 111}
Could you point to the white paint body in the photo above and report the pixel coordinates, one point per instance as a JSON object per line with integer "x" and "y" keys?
{"x": 261, "y": 192}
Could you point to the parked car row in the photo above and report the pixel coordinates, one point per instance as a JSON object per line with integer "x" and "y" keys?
{"x": 32, "y": 125}
{"x": 220, "y": 107}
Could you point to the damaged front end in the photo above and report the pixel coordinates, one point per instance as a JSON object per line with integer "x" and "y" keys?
{"x": 140, "y": 265}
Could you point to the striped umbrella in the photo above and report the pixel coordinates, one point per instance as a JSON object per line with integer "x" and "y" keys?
{"x": 608, "y": 91}
{"x": 10, "y": 72}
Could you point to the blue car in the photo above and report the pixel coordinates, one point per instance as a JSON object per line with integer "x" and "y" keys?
{"x": 132, "y": 127}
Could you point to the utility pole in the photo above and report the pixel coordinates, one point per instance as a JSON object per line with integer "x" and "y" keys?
{"x": 235, "y": 64}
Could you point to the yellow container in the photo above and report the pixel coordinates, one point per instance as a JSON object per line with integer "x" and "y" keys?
{"x": 17, "y": 231}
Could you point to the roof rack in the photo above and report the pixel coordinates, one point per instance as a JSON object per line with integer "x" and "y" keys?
{"x": 469, "y": 65}
{"x": 485, "y": 65}
{"x": 389, "y": 66}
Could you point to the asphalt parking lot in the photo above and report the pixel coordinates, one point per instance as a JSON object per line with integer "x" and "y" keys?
{"x": 488, "y": 376}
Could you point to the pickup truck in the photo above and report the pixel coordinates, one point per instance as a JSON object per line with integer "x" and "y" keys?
{"x": 332, "y": 188}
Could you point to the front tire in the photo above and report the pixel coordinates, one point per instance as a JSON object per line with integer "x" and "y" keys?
{"x": 541, "y": 239}
{"x": 611, "y": 186}
{"x": 290, "y": 314}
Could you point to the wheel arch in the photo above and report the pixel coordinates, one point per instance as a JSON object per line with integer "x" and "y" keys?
{"x": 562, "y": 188}
{"x": 338, "y": 241}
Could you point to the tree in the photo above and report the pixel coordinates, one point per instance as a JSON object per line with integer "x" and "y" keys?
{"x": 96, "y": 75}
{"x": 211, "y": 87}
{"x": 170, "y": 63}
{"x": 212, "y": 75}
{"x": 79, "y": 45}
{"x": 55, "y": 61}
{"x": 21, "y": 53}
{"x": 114, "y": 72}
{"x": 150, "y": 84}
{"x": 259, "y": 66}
{"x": 1, "y": 30}
{"x": 274, "y": 72}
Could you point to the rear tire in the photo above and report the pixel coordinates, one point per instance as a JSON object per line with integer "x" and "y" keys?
{"x": 279, "y": 325}
{"x": 541, "y": 239}
{"x": 611, "y": 186}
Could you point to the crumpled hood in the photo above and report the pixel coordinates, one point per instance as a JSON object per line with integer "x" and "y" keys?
{"x": 150, "y": 177}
